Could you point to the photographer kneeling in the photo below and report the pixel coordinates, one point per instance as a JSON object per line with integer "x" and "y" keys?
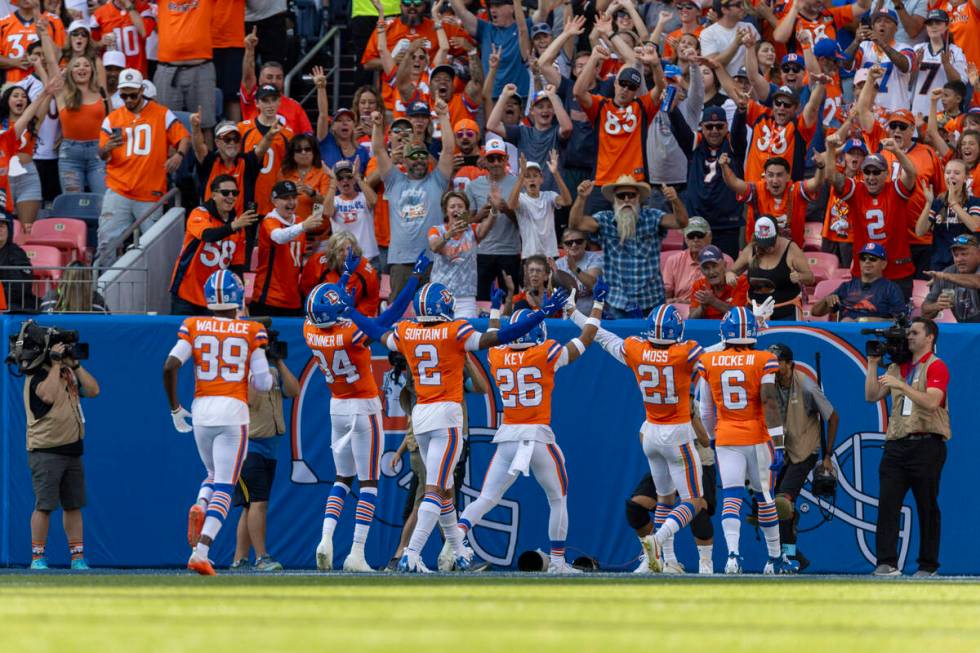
{"x": 55, "y": 428}
{"x": 915, "y": 444}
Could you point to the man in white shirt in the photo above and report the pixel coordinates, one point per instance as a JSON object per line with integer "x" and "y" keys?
{"x": 716, "y": 38}
{"x": 895, "y": 57}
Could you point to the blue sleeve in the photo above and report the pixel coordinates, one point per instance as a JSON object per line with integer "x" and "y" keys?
{"x": 398, "y": 306}
{"x": 371, "y": 328}
{"x": 511, "y": 332}
{"x": 894, "y": 300}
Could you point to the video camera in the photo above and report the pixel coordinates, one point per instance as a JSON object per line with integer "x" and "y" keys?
{"x": 276, "y": 349}
{"x": 31, "y": 347}
{"x": 891, "y": 341}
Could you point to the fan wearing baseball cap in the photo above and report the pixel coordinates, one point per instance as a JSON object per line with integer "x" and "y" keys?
{"x": 268, "y": 98}
{"x": 281, "y": 246}
{"x": 836, "y": 232}
{"x": 868, "y": 298}
{"x": 712, "y": 295}
{"x": 877, "y": 209}
{"x": 957, "y": 287}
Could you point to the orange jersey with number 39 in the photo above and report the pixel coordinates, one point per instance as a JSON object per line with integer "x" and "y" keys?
{"x": 526, "y": 379}
{"x": 222, "y": 351}
{"x": 436, "y": 355}
{"x": 664, "y": 375}
{"x": 344, "y": 356}
{"x": 735, "y": 379}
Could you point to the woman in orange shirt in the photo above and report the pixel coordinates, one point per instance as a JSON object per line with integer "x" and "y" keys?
{"x": 304, "y": 167}
{"x": 25, "y": 183}
{"x": 81, "y": 109}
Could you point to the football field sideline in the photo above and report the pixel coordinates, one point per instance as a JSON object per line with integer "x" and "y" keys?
{"x": 169, "y": 611}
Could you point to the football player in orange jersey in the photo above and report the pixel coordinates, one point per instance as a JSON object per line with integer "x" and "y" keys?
{"x": 229, "y": 354}
{"x": 435, "y": 344}
{"x": 663, "y": 363}
{"x": 525, "y": 374}
{"x": 344, "y": 356}
{"x": 740, "y": 382}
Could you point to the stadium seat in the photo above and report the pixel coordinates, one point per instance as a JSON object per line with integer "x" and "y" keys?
{"x": 841, "y": 274}
{"x": 674, "y": 240}
{"x": 249, "y": 281}
{"x": 824, "y": 288}
{"x": 69, "y": 235}
{"x": 812, "y": 238}
{"x": 384, "y": 292}
{"x": 84, "y": 206}
{"x": 683, "y": 309}
{"x": 945, "y": 316}
{"x": 822, "y": 264}
{"x": 920, "y": 288}
{"x": 44, "y": 256}
{"x": 19, "y": 236}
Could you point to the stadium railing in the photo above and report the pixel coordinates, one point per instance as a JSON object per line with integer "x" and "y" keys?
{"x": 129, "y": 292}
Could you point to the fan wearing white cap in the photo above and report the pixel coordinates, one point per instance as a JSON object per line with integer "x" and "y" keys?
{"x": 136, "y": 142}
{"x": 776, "y": 268}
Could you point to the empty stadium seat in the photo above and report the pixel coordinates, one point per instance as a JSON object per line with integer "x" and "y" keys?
{"x": 822, "y": 264}
{"x": 824, "y": 288}
{"x": 812, "y": 236}
{"x": 44, "y": 256}
{"x": 673, "y": 240}
{"x": 84, "y": 206}
{"x": 69, "y": 235}
{"x": 19, "y": 236}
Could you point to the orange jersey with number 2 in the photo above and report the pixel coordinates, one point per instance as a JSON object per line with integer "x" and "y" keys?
{"x": 735, "y": 379}
{"x": 436, "y": 355}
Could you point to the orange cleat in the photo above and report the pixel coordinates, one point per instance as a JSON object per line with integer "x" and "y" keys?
{"x": 203, "y": 567}
{"x": 195, "y": 522}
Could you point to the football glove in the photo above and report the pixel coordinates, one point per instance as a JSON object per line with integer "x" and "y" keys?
{"x": 181, "y": 417}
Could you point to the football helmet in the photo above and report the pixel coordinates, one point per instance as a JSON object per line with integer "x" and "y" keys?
{"x": 665, "y": 326}
{"x": 739, "y": 327}
{"x": 224, "y": 291}
{"x": 324, "y": 307}
{"x": 434, "y": 303}
{"x": 535, "y": 336}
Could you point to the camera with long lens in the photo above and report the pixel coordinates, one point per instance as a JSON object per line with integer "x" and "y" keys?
{"x": 891, "y": 342}
{"x": 276, "y": 349}
{"x": 30, "y": 349}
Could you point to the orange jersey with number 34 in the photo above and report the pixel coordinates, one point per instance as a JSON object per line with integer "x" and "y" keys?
{"x": 735, "y": 379}
{"x": 344, "y": 356}
{"x": 222, "y": 351}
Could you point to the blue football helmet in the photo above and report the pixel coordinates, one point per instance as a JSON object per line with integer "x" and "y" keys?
{"x": 739, "y": 327}
{"x": 665, "y": 326}
{"x": 324, "y": 307}
{"x": 224, "y": 291}
{"x": 434, "y": 303}
{"x": 535, "y": 336}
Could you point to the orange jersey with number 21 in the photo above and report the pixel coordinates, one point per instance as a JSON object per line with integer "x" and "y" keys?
{"x": 664, "y": 375}
{"x": 222, "y": 350}
{"x": 735, "y": 379}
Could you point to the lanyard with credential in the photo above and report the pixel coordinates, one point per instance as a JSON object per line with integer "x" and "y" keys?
{"x": 907, "y": 401}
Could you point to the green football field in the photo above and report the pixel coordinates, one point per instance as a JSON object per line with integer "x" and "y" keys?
{"x": 151, "y": 612}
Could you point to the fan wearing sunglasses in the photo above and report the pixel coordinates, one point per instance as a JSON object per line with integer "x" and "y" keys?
{"x": 227, "y": 158}
{"x": 578, "y": 268}
{"x": 412, "y": 23}
{"x": 877, "y": 209}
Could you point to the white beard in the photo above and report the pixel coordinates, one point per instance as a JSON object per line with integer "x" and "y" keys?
{"x": 626, "y": 217}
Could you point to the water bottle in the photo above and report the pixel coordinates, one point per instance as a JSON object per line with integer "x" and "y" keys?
{"x": 668, "y": 99}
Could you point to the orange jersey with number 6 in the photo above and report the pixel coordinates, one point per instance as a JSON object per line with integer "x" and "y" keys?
{"x": 735, "y": 377}
{"x": 664, "y": 375}
{"x": 526, "y": 379}
{"x": 344, "y": 356}
{"x": 436, "y": 355}
{"x": 222, "y": 353}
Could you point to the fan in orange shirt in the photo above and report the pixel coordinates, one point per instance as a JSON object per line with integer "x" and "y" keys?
{"x": 128, "y": 23}
{"x": 779, "y": 132}
{"x": 835, "y": 220}
{"x": 229, "y": 356}
{"x": 252, "y": 132}
{"x": 739, "y": 382}
{"x": 20, "y": 29}
{"x": 525, "y": 374}
{"x": 711, "y": 294}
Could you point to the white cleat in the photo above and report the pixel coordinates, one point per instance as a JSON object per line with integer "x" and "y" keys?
{"x": 355, "y": 562}
{"x": 411, "y": 563}
{"x": 562, "y": 568}
{"x": 643, "y": 567}
{"x": 447, "y": 558}
{"x": 324, "y": 555}
{"x": 674, "y": 568}
{"x": 706, "y": 568}
{"x": 652, "y": 549}
{"x": 734, "y": 564}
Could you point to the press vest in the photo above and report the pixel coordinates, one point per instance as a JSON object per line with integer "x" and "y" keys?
{"x": 919, "y": 420}
{"x": 802, "y": 428}
{"x": 63, "y": 423}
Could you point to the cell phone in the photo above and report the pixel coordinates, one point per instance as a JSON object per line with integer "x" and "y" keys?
{"x": 117, "y": 132}
{"x": 251, "y": 206}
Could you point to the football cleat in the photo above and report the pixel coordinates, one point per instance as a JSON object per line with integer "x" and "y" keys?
{"x": 201, "y": 566}
{"x": 780, "y": 565}
{"x": 644, "y": 566}
{"x": 673, "y": 568}
{"x": 355, "y": 562}
{"x": 411, "y": 563}
{"x": 267, "y": 564}
{"x": 652, "y": 549}
{"x": 706, "y": 568}
{"x": 195, "y": 522}
{"x": 79, "y": 564}
{"x": 562, "y": 568}
{"x": 464, "y": 562}
{"x": 734, "y": 564}
{"x": 447, "y": 558}
{"x": 39, "y": 564}
{"x": 324, "y": 555}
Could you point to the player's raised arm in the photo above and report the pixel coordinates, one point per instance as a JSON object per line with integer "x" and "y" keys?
{"x": 609, "y": 341}
{"x": 377, "y": 329}
{"x": 517, "y": 329}
{"x": 577, "y": 346}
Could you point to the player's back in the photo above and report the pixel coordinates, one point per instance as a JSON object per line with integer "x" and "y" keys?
{"x": 526, "y": 380}
{"x": 735, "y": 377}
{"x": 222, "y": 350}
{"x": 664, "y": 375}
{"x": 344, "y": 357}
{"x": 436, "y": 355}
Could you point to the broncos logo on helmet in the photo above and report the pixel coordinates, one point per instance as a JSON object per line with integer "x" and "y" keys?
{"x": 324, "y": 306}
{"x": 535, "y": 336}
{"x": 434, "y": 303}
{"x": 224, "y": 291}
{"x": 665, "y": 326}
